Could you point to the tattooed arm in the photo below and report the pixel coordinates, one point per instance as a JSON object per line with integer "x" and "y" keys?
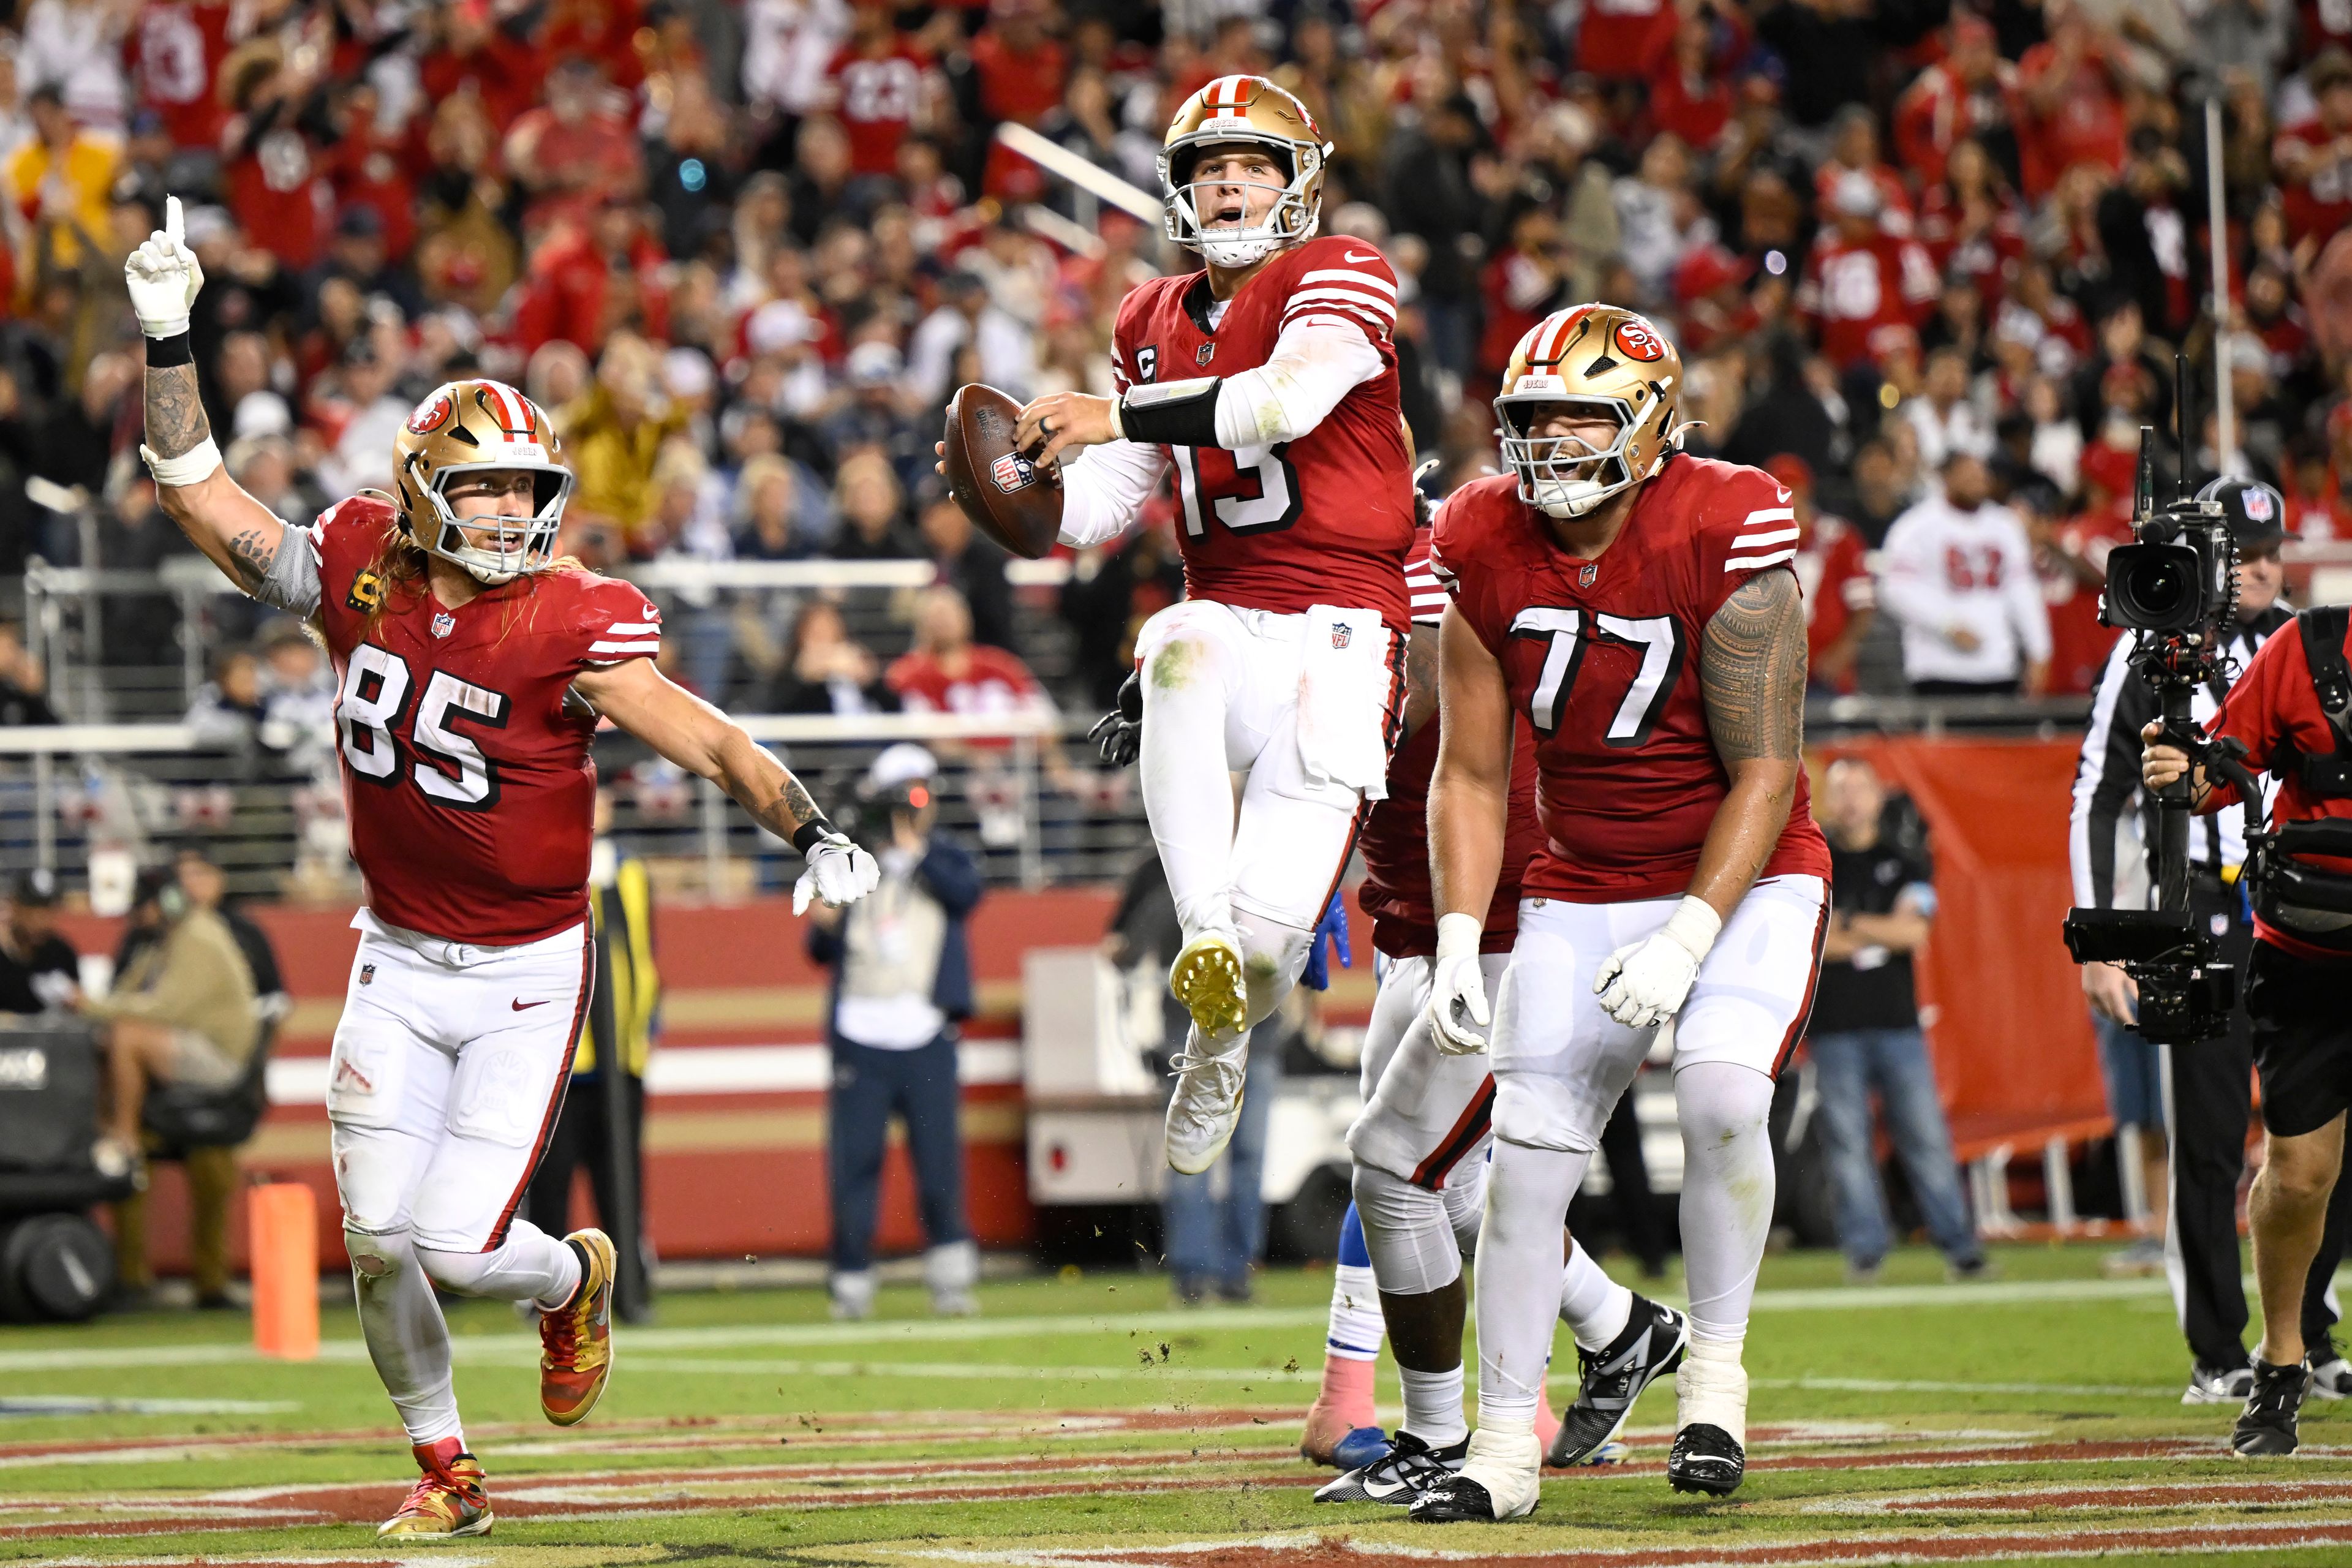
{"x": 235, "y": 533}
{"x": 1421, "y": 666}
{"x": 1752, "y": 679}
{"x": 699, "y": 738}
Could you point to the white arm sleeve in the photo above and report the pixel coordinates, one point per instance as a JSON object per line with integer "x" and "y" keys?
{"x": 1106, "y": 488}
{"x": 292, "y": 581}
{"x": 1315, "y": 362}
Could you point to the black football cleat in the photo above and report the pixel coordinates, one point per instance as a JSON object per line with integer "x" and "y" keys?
{"x": 1407, "y": 1468}
{"x": 2266, "y": 1427}
{"x": 1705, "y": 1459}
{"x": 1650, "y": 1346}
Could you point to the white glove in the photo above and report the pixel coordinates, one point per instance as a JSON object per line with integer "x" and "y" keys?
{"x": 164, "y": 277}
{"x": 1458, "y": 1014}
{"x": 839, "y": 872}
{"x": 1643, "y": 983}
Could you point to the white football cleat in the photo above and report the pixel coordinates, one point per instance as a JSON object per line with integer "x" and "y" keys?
{"x": 1206, "y": 1104}
{"x": 1500, "y": 1478}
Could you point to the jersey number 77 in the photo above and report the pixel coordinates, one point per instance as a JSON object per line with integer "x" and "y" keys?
{"x": 1659, "y": 640}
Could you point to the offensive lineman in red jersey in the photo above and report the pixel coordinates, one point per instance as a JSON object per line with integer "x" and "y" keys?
{"x": 1636, "y": 607}
{"x": 1419, "y": 1147}
{"x": 1269, "y": 381}
{"x": 473, "y": 668}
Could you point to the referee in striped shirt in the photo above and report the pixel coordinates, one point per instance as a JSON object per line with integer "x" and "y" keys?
{"x": 2206, "y": 1093}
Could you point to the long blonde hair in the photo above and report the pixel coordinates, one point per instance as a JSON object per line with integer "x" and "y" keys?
{"x": 400, "y": 563}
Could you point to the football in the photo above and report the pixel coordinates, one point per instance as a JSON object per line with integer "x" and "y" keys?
{"x": 1007, "y": 496}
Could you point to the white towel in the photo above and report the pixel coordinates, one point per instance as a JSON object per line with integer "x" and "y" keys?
{"x": 1344, "y": 684}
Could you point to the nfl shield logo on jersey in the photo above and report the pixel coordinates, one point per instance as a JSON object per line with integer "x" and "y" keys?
{"x": 1591, "y": 572}
{"x": 1206, "y": 353}
{"x": 444, "y": 624}
{"x": 367, "y": 973}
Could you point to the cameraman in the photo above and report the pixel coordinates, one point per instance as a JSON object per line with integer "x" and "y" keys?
{"x": 901, "y": 986}
{"x": 2296, "y": 987}
{"x": 2207, "y": 1095}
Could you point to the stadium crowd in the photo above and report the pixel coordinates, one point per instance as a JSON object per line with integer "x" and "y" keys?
{"x": 1928, "y": 260}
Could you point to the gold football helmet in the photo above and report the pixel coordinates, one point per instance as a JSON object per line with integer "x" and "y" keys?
{"x": 466, "y": 427}
{"x": 1247, "y": 109}
{"x": 1597, "y": 359}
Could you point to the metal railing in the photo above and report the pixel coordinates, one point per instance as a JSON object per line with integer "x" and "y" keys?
{"x": 89, "y": 803}
{"x": 187, "y": 606}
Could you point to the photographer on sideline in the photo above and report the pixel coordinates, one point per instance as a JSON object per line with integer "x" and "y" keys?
{"x": 901, "y": 987}
{"x": 2205, "y": 1089}
{"x": 2295, "y": 986}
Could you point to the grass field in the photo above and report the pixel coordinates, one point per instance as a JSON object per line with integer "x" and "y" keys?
{"x": 1086, "y": 1422}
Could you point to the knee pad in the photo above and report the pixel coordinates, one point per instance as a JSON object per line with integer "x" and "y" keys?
{"x": 1720, "y": 1103}
{"x": 1408, "y": 1232}
{"x": 1464, "y": 1197}
{"x": 1273, "y": 957}
{"x": 1536, "y": 1111}
{"x": 379, "y": 1255}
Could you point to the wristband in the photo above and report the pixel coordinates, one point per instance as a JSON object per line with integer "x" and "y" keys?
{"x": 190, "y": 468}
{"x": 1459, "y": 933}
{"x": 1180, "y": 413}
{"x": 167, "y": 350}
{"x": 1694, "y": 925}
{"x": 809, "y": 833}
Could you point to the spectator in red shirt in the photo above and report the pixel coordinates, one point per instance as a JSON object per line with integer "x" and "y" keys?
{"x": 575, "y": 150}
{"x": 176, "y": 51}
{"x": 1970, "y": 94}
{"x": 1970, "y": 224}
{"x": 1854, "y": 151}
{"x": 2070, "y": 556}
{"x": 1617, "y": 39}
{"x": 1688, "y": 96}
{"x": 477, "y": 53}
{"x": 2312, "y": 159}
{"x": 879, "y": 87}
{"x": 947, "y": 673}
{"x": 1841, "y": 601}
{"x": 1020, "y": 68}
{"x": 270, "y": 157}
{"x": 2073, "y": 92}
{"x": 589, "y": 278}
{"x": 1520, "y": 283}
{"x": 1861, "y": 280}
{"x": 366, "y": 169}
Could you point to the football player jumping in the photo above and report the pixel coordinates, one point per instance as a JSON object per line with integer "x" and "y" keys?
{"x": 1420, "y": 1150}
{"x": 1634, "y": 606}
{"x": 1268, "y": 380}
{"x": 473, "y": 666}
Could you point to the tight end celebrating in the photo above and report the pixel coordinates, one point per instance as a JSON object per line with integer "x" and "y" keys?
{"x": 472, "y": 668}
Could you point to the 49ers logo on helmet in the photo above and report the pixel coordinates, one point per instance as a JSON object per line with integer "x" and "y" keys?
{"x": 431, "y": 415}
{"x": 1638, "y": 340}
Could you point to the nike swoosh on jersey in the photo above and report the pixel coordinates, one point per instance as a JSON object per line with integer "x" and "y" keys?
{"x": 1351, "y": 255}
{"x": 526, "y": 1006}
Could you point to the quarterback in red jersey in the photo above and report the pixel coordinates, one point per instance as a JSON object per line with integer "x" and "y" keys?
{"x": 1634, "y": 607}
{"x": 473, "y": 666}
{"x": 1268, "y": 380}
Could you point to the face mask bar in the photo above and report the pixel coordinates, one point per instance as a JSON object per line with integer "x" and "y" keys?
{"x": 1287, "y": 222}
{"x": 1564, "y": 476}
{"x": 523, "y": 544}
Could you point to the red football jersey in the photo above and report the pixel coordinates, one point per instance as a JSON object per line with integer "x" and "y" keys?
{"x": 1394, "y": 842}
{"x": 1833, "y": 568}
{"x": 876, "y": 98}
{"x": 2079, "y": 644}
{"x": 1324, "y": 520}
{"x": 1854, "y": 292}
{"x": 466, "y": 781}
{"x": 2321, "y": 203}
{"x": 991, "y": 681}
{"x": 1602, "y": 659}
{"x": 177, "y": 49}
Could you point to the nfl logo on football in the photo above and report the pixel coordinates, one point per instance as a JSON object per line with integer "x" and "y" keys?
{"x": 1012, "y": 472}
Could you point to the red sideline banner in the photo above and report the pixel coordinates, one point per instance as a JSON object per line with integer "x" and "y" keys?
{"x": 2008, "y": 1026}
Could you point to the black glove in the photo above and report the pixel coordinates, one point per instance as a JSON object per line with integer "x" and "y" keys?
{"x": 1119, "y": 734}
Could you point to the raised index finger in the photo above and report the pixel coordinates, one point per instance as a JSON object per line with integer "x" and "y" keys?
{"x": 175, "y": 227}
